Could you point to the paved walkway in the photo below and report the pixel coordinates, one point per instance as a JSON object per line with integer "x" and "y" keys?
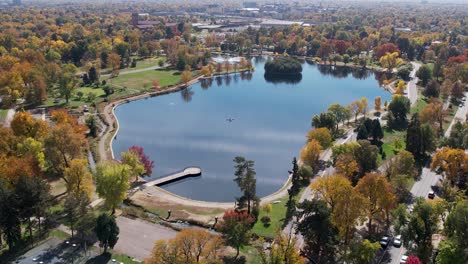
{"x": 137, "y": 237}
{"x": 460, "y": 115}
{"x": 187, "y": 172}
{"x": 411, "y": 88}
{"x": 9, "y": 117}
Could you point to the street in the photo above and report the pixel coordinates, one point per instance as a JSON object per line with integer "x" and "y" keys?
{"x": 412, "y": 89}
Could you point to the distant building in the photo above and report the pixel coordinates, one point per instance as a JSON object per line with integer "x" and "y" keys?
{"x": 400, "y": 29}
{"x": 279, "y": 23}
{"x": 141, "y": 21}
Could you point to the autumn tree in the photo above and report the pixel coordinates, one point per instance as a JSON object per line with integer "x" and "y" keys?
{"x": 453, "y": 163}
{"x": 363, "y": 252}
{"x": 245, "y": 179}
{"x": 434, "y": 113}
{"x": 310, "y": 153}
{"x": 24, "y": 125}
{"x": 114, "y": 60}
{"x": 390, "y": 60}
{"x": 189, "y": 246}
{"x": 107, "y": 231}
{"x": 147, "y": 163}
{"x": 432, "y": 89}
{"x": 67, "y": 85}
{"x": 322, "y": 135}
{"x": 283, "y": 251}
{"x": 62, "y": 145}
{"x": 378, "y": 103}
{"x": 235, "y": 228}
{"x": 112, "y": 183}
{"x": 185, "y": 77}
{"x": 78, "y": 178}
{"x": 346, "y": 165}
{"x": 379, "y": 195}
{"x": 401, "y": 87}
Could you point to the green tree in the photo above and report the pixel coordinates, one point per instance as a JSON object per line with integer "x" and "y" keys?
{"x": 363, "y": 252}
{"x": 425, "y": 74}
{"x": 317, "y": 230}
{"x": 10, "y": 222}
{"x": 326, "y": 119}
{"x": 92, "y": 125}
{"x": 236, "y": 229}
{"x": 419, "y": 139}
{"x": 75, "y": 208}
{"x": 132, "y": 160}
{"x": 399, "y": 107}
{"x": 67, "y": 83}
{"x": 450, "y": 253}
{"x": 456, "y": 225}
{"x": 362, "y": 133}
{"x": 93, "y": 75}
{"x": 245, "y": 179}
{"x": 400, "y": 218}
{"x": 112, "y": 183}
{"x": 366, "y": 157}
{"x": 339, "y": 112}
{"x": 107, "y": 231}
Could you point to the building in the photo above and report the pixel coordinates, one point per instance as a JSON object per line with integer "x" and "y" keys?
{"x": 279, "y": 23}
{"x": 141, "y": 21}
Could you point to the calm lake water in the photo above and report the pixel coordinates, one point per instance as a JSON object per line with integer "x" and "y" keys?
{"x": 271, "y": 119}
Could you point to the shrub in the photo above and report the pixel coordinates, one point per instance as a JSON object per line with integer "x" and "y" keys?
{"x": 266, "y": 220}
{"x": 283, "y": 66}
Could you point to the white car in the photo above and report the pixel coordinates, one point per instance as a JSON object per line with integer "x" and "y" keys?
{"x": 403, "y": 259}
{"x": 384, "y": 241}
{"x": 397, "y": 241}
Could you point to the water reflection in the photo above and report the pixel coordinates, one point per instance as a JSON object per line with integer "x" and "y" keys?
{"x": 187, "y": 94}
{"x": 287, "y": 79}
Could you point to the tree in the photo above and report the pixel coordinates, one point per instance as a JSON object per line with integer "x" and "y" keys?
{"x": 377, "y": 103}
{"x": 366, "y": 156}
{"x": 399, "y": 107}
{"x": 377, "y": 132}
{"x": 75, "y": 208}
{"x": 10, "y": 222}
{"x": 318, "y": 232}
{"x": 310, "y": 153}
{"x": 419, "y": 139}
{"x": 322, "y": 135}
{"x": 457, "y": 90}
{"x": 401, "y": 87}
{"x": 78, "y": 178}
{"x": 458, "y": 136}
{"x": 401, "y": 164}
{"x": 93, "y": 75}
{"x": 92, "y": 125}
{"x": 362, "y": 132}
{"x": 24, "y": 125}
{"x": 453, "y": 163}
{"x": 433, "y": 113}
{"x": 346, "y": 165}
{"x": 132, "y": 160}
{"x": 339, "y": 112}
{"x": 107, "y": 231}
{"x": 236, "y": 229}
{"x": 422, "y": 224}
{"x": 112, "y": 183}
{"x": 363, "y": 252}
{"x": 400, "y": 218}
{"x": 413, "y": 260}
{"x": 390, "y": 60}
{"x": 425, "y": 74}
{"x": 185, "y": 77}
{"x": 67, "y": 84}
{"x": 245, "y": 179}
{"x": 326, "y": 120}
{"x": 62, "y": 145}
{"x": 283, "y": 251}
{"x": 379, "y": 195}
{"x": 283, "y": 66}
{"x": 363, "y": 105}
{"x": 114, "y": 60}
{"x": 450, "y": 253}
{"x": 295, "y": 180}
{"x": 432, "y": 89}
{"x": 189, "y": 246}
{"x": 456, "y": 224}
{"x": 144, "y": 159}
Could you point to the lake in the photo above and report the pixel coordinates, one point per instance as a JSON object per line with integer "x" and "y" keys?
{"x": 270, "y": 119}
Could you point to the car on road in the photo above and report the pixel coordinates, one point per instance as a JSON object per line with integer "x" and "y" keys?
{"x": 431, "y": 195}
{"x": 397, "y": 241}
{"x": 384, "y": 241}
{"x": 403, "y": 259}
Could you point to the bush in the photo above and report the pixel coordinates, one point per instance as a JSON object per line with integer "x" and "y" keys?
{"x": 80, "y": 95}
{"x": 266, "y": 220}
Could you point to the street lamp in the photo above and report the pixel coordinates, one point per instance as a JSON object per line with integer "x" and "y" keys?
{"x": 168, "y": 214}
{"x": 216, "y": 221}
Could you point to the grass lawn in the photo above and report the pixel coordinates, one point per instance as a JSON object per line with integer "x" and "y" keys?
{"x": 3, "y": 113}
{"x": 420, "y": 104}
{"x": 143, "y": 81}
{"x": 278, "y": 212}
{"x": 124, "y": 259}
{"x": 251, "y": 253}
{"x": 86, "y": 90}
{"x": 146, "y": 63}
{"x": 59, "y": 234}
{"x": 390, "y": 136}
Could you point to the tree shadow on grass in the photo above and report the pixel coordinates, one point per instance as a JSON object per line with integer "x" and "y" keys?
{"x": 104, "y": 258}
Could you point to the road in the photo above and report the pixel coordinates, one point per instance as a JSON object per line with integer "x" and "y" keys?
{"x": 156, "y": 67}
{"x": 411, "y": 88}
{"x": 460, "y": 115}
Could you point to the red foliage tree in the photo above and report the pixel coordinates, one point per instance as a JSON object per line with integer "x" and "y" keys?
{"x": 381, "y": 50}
{"x": 457, "y": 59}
{"x": 144, "y": 159}
{"x": 413, "y": 260}
{"x": 341, "y": 46}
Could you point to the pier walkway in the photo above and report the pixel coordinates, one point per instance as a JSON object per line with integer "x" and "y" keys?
{"x": 185, "y": 173}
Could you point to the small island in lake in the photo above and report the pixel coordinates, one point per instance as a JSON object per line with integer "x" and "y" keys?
{"x": 283, "y": 66}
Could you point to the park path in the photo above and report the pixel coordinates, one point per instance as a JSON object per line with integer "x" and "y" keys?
{"x": 156, "y": 67}
{"x": 9, "y": 116}
{"x": 460, "y": 116}
{"x": 411, "y": 88}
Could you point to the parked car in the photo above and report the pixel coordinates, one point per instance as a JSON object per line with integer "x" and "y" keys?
{"x": 403, "y": 259}
{"x": 384, "y": 241}
{"x": 431, "y": 195}
{"x": 85, "y": 108}
{"x": 397, "y": 241}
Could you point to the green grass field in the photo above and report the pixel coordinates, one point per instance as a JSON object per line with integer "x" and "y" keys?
{"x": 142, "y": 81}
{"x": 277, "y": 215}
{"x": 390, "y": 136}
{"x": 3, "y": 114}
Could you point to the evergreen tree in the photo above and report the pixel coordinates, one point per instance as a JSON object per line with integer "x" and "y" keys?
{"x": 377, "y": 132}
{"x": 413, "y": 136}
{"x": 107, "y": 231}
{"x": 92, "y": 75}
{"x": 362, "y": 132}
{"x": 245, "y": 179}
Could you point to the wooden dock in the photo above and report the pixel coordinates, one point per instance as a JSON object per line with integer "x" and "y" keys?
{"x": 185, "y": 173}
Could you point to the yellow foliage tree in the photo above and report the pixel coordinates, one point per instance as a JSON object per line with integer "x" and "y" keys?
{"x": 283, "y": 251}
{"x": 390, "y": 60}
{"x": 185, "y": 77}
{"x": 310, "y": 153}
{"x": 347, "y": 166}
{"x": 378, "y": 103}
{"x": 112, "y": 183}
{"x": 453, "y": 162}
{"x": 322, "y": 135}
{"x": 433, "y": 113}
{"x": 401, "y": 86}
{"x": 78, "y": 178}
{"x": 23, "y": 124}
{"x": 189, "y": 246}
{"x": 133, "y": 161}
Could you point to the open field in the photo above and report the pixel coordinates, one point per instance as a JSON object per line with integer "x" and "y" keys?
{"x": 3, "y": 114}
